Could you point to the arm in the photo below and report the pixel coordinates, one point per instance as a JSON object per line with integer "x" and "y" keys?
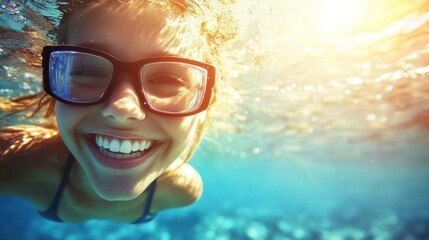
{"x": 178, "y": 187}
{"x": 29, "y": 161}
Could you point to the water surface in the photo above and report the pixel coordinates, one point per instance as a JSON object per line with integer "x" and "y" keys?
{"x": 322, "y": 134}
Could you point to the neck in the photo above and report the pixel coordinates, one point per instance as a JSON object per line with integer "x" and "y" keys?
{"x": 80, "y": 183}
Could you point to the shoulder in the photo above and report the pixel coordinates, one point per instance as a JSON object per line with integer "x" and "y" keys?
{"x": 179, "y": 187}
{"x": 32, "y": 147}
{"x": 30, "y": 159}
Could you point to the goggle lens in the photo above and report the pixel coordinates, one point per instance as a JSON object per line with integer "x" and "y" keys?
{"x": 79, "y": 77}
{"x": 170, "y": 87}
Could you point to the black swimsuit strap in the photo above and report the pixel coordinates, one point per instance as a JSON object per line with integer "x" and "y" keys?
{"x": 149, "y": 200}
{"x": 147, "y": 216}
{"x": 52, "y": 212}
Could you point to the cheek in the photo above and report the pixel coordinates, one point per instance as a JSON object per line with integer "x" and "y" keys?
{"x": 68, "y": 118}
{"x": 63, "y": 118}
{"x": 182, "y": 131}
{"x": 187, "y": 128}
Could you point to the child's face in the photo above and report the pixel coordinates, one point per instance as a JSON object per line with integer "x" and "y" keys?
{"x": 128, "y": 36}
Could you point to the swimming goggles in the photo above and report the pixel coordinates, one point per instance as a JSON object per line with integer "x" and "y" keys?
{"x": 170, "y": 86}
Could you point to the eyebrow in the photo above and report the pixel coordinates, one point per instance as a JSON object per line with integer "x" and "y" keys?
{"x": 105, "y": 48}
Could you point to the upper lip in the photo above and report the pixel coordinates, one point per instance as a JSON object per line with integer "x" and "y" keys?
{"x": 123, "y": 135}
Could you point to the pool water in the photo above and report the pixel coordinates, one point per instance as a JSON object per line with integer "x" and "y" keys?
{"x": 325, "y": 135}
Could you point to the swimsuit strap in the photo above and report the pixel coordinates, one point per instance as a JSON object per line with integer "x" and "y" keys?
{"x": 147, "y": 216}
{"x": 52, "y": 212}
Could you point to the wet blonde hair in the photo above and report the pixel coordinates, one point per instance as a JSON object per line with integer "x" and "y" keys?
{"x": 208, "y": 25}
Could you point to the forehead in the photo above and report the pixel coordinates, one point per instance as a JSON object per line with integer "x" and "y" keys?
{"x": 131, "y": 33}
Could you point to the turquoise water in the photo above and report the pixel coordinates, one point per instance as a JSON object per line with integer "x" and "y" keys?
{"x": 325, "y": 133}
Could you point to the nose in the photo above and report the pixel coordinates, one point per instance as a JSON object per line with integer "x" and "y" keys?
{"x": 124, "y": 105}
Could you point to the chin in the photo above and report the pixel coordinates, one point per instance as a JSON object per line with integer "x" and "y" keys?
{"x": 118, "y": 185}
{"x": 121, "y": 189}
{"x": 117, "y": 194}
{"x": 113, "y": 198}
{"x": 116, "y": 189}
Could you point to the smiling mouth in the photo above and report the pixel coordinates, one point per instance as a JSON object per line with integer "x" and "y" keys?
{"x": 122, "y": 148}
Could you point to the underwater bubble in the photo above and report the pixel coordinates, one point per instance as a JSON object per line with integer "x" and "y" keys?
{"x": 21, "y": 19}
{"x": 299, "y": 233}
{"x": 257, "y": 230}
{"x": 2, "y": 8}
{"x": 224, "y": 222}
{"x": 12, "y": 8}
{"x": 164, "y": 235}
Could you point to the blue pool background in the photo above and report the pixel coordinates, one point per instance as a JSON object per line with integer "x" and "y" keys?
{"x": 264, "y": 200}
{"x": 321, "y": 135}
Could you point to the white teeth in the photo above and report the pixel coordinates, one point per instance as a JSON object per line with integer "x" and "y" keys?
{"x": 145, "y": 145}
{"x": 125, "y": 146}
{"x": 148, "y": 144}
{"x": 106, "y": 143}
{"x": 116, "y": 145}
{"x": 136, "y": 146}
{"x": 97, "y": 140}
{"x": 142, "y": 145}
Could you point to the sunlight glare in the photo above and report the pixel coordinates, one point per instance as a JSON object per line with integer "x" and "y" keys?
{"x": 341, "y": 14}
